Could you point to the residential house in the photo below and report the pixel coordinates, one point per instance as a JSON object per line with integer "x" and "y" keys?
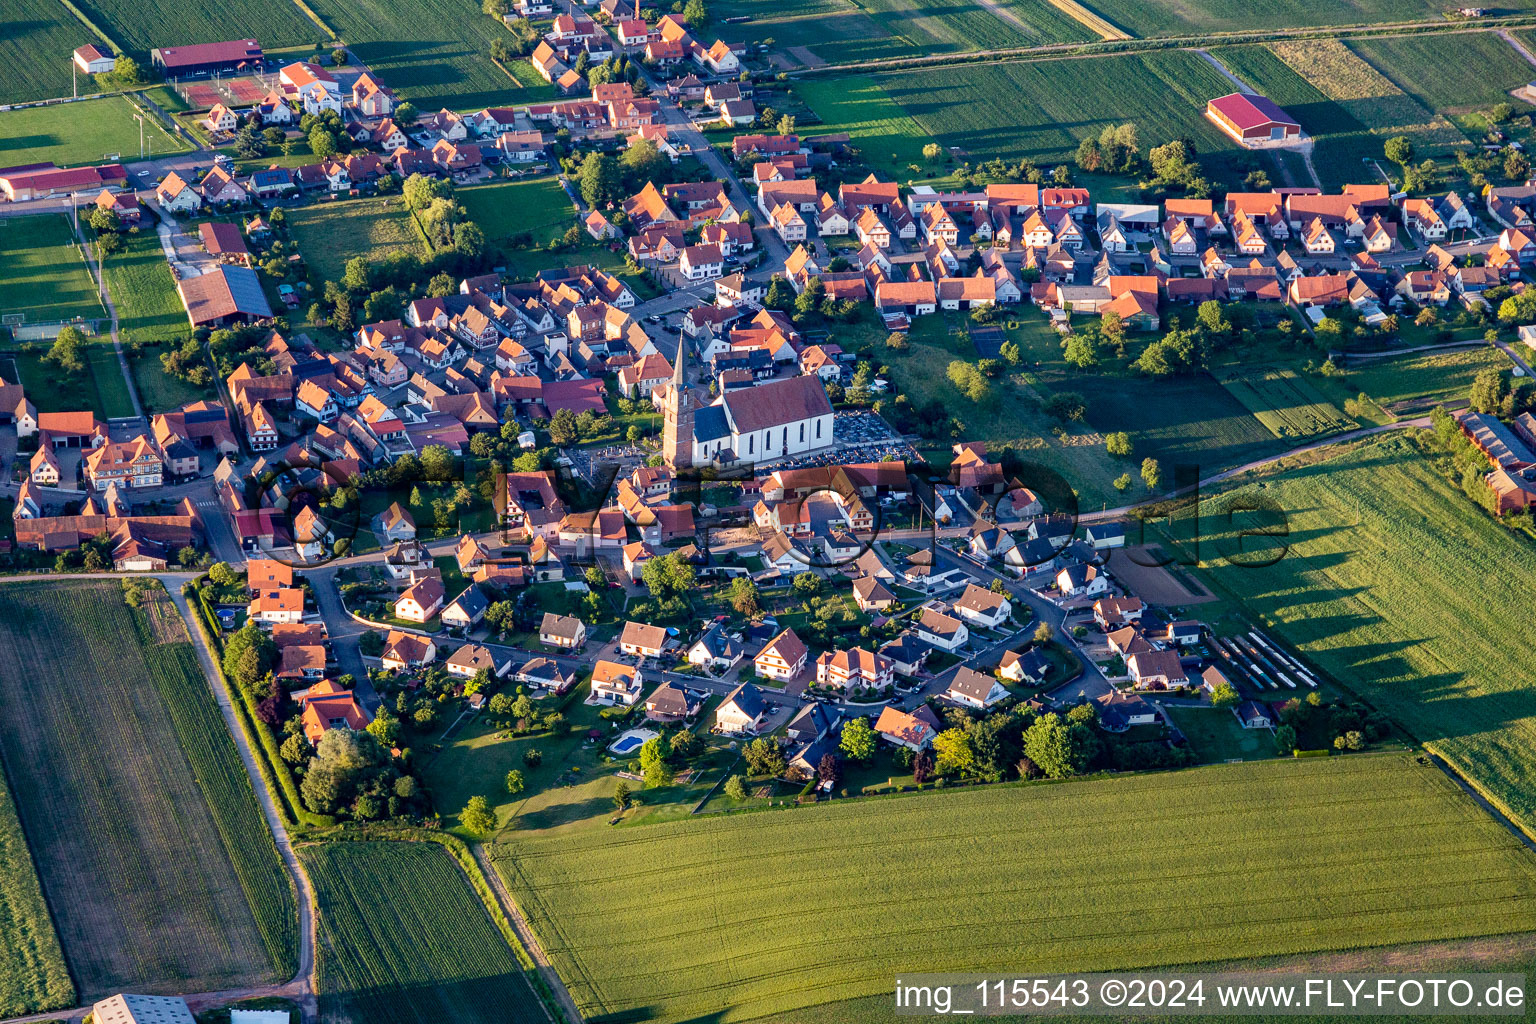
{"x": 565, "y": 631}
{"x": 615, "y": 683}
{"x": 914, "y": 730}
{"x": 972, "y": 689}
{"x": 743, "y": 712}
{"x": 782, "y": 658}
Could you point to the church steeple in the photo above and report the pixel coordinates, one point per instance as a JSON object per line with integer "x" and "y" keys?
{"x": 677, "y": 413}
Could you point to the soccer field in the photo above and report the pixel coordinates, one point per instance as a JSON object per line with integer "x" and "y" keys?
{"x": 731, "y": 918}
{"x": 88, "y": 132}
{"x": 45, "y": 277}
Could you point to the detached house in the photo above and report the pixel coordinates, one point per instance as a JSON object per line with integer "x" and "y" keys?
{"x": 784, "y": 657}
{"x": 981, "y": 607}
{"x": 972, "y": 689}
{"x": 743, "y": 712}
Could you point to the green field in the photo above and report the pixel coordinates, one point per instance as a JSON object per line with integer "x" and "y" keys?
{"x": 45, "y": 275}
{"x": 832, "y": 30}
{"x": 1448, "y": 72}
{"x": 433, "y": 52}
{"x": 1042, "y": 109}
{"x": 143, "y": 290}
{"x": 157, "y": 865}
{"x": 36, "y": 40}
{"x": 731, "y": 918}
{"x": 1415, "y": 383}
{"x": 405, "y": 940}
{"x": 100, "y": 388}
{"x": 1215, "y": 734}
{"x": 932, "y": 27}
{"x": 88, "y": 132}
{"x": 887, "y": 136}
{"x": 142, "y": 25}
{"x": 1202, "y": 17}
{"x": 540, "y": 207}
{"x": 329, "y": 234}
{"x": 112, "y": 396}
{"x": 1284, "y": 401}
{"x": 33, "y": 975}
{"x": 1376, "y": 588}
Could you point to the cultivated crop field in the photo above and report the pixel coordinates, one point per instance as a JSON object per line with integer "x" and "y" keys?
{"x": 1042, "y": 109}
{"x": 1287, "y": 405}
{"x": 1379, "y": 587}
{"x": 32, "y": 972}
{"x": 934, "y": 26}
{"x": 1415, "y": 383}
{"x": 329, "y": 234}
{"x": 405, "y": 940}
{"x": 887, "y": 136}
{"x": 156, "y": 863}
{"x": 143, "y": 25}
{"x": 539, "y": 207}
{"x": 1202, "y": 17}
{"x": 814, "y": 31}
{"x": 432, "y": 52}
{"x": 45, "y": 276}
{"x": 1452, "y": 72}
{"x": 36, "y": 39}
{"x": 710, "y": 918}
{"x": 71, "y": 134}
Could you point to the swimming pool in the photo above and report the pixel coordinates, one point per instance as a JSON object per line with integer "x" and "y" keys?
{"x": 631, "y": 741}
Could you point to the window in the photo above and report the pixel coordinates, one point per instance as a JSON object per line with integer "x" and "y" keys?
{"x": 802, "y": 433}
{"x": 818, "y": 430}
{"x": 751, "y": 440}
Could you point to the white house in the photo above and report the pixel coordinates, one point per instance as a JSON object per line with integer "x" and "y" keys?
{"x": 743, "y": 712}
{"x": 981, "y": 607}
{"x": 975, "y": 690}
{"x": 942, "y": 631}
{"x": 613, "y": 683}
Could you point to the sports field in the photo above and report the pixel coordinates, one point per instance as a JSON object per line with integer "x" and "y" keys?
{"x": 404, "y": 939}
{"x": 45, "y": 275}
{"x": 1386, "y": 586}
{"x": 142, "y": 25}
{"x": 88, "y": 132}
{"x": 1202, "y": 17}
{"x": 329, "y": 234}
{"x": 433, "y": 52}
{"x": 1042, "y": 109}
{"x": 33, "y": 976}
{"x": 731, "y": 918}
{"x": 540, "y": 207}
{"x": 156, "y": 863}
{"x": 36, "y": 39}
{"x": 1284, "y": 401}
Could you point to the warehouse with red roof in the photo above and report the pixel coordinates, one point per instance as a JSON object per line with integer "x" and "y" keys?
{"x": 1250, "y": 118}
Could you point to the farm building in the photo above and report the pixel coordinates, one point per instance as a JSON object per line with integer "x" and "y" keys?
{"x": 208, "y": 58}
{"x": 1251, "y": 119}
{"x": 224, "y": 296}
{"x": 95, "y": 60}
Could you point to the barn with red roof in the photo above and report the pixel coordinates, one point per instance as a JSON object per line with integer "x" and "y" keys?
{"x": 1250, "y": 118}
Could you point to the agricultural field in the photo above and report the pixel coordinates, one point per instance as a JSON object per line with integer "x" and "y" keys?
{"x": 1042, "y": 109}
{"x": 1285, "y": 402}
{"x": 33, "y": 976}
{"x": 888, "y": 137}
{"x": 813, "y": 31}
{"x": 1204, "y": 17}
{"x": 36, "y": 39}
{"x": 143, "y": 290}
{"x": 329, "y": 234}
{"x": 1374, "y": 590}
{"x": 80, "y": 133}
{"x": 45, "y": 274}
{"x": 139, "y": 26}
{"x": 160, "y": 874}
{"x": 1412, "y": 384}
{"x": 427, "y": 954}
{"x": 707, "y": 918}
{"x": 539, "y": 207}
{"x": 432, "y": 52}
{"x": 1448, "y": 73}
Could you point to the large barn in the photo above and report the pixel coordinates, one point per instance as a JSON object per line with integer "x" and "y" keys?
{"x": 1250, "y": 118}
{"x": 208, "y": 58}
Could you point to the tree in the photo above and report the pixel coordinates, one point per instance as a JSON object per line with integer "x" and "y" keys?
{"x": 420, "y": 191}
{"x": 806, "y": 584}
{"x": 499, "y": 51}
{"x": 968, "y": 380}
{"x": 441, "y": 286}
{"x": 1044, "y": 634}
{"x": 763, "y": 757}
{"x": 932, "y": 151}
{"x": 653, "y": 762}
{"x": 437, "y": 463}
{"x": 1122, "y": 482}
{"x": 668, "y": 576}
{"x": 1488, "y": 391}
{"x": 953, "y": 753}
{"x": 1080, "y": 350}
{"x": 1398, "y": 149}
{"x": 1118, "y": 443}
{"x": 222, "y": 575}
{"x": 477, "y": 816}
{"x": 562, "y": 428}
{"x": 858, "y": 741}
{"x": 1058, "y": 748}
{"x": 65, "y": 352}
{"x": 515, "y": 781}
{"x": 249, "y": 655}
{"x": 598, "y": 179}
{"x": 322, "y": 143}
{"x": 1151, "y": 473}
{"x": 736, "y": 787}
{"x": 1285, "y": 739}
{"x": 1224, "y": 695}
{"x": 696, "y": 14}
{"x": 745, "y": 598}
{"x": 1064, "y": 406}
{"x": 643, "y": 162}
{"x": 533, "y": 757}
{"x": 827, "y": 770}
{"x": 621, "y": 795}
{"x": 922, "y": 767}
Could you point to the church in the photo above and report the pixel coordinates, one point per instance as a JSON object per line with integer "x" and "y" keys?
{"x": 773, "y": 420}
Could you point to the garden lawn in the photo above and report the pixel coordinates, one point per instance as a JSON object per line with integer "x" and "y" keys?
{"x": 158, "y": 390}
{"x": 329, "y": 234}
{"x": 1448, "y": 72}
{"x": 1203, "y": 17}
{"x": 1215, "y": 734}
{"x": 428, "y": 954}
{"x": 80, "y": 133}
{"x": 157, "y": 866}
{"x": 144, "y": 292}
{"x": 45, "y": 275}
{"x": 1379, "y": 587}
{"x": 431, "y": 52}
{"x": 1414, "y": 383}
{"x": 36, "y": 39}
{"x": 688, "y": 921}
{"x": 1042, "y": 109}
{"x": 141, "y": 25}
{"x": 539, "y": 207}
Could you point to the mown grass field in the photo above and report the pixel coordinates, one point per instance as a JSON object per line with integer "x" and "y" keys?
{"x": 329, "y": 234}
{"x": 1285, "y": 402}
{"x": 540, "y": 207}
{"x": 432, "y": 52}
{"x": 153, "y": 855}
{"x": 143, "y": 290}
{"x": 45, "y": 275}
{"x": 142, "y": 25}
{"x": 1215, "y": 734}
{"x": 1202, "y": 17}
{"x": 954, "y": 26}
{"x": 1415, "y": 383}
{"x": 730, "y": 918}
{"x": 80, "y": 133}
{"x": 36, "y": 40}
{"x": 1379, "y": 586}
{"x": 111, "y": 386}
{"x": 1448, "y": 73}
{"x": 1042, "y": 109}
{"x": 405, "y": 940}
{"x": 33, "y": 975}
